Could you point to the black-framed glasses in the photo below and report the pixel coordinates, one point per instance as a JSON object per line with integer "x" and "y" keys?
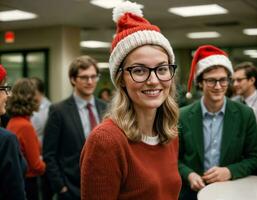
{"x": 140, "y": 73}
{"x": 212, "y": 82}
{"x": 6, "y": 89}
{"x": 239, "y": 80}
{"x": 85, "y": 78}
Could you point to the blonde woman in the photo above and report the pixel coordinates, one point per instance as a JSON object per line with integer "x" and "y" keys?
{"x": 133, "y": 153}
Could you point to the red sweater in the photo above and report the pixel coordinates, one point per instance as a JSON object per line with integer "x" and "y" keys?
{"x": 29, "y": 143}
{"x": 112, "y": 167}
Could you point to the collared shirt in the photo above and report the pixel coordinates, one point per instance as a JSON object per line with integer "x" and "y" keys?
{"x": 251, "y": 101}
{"x": 39, "y": 118}
{"x": 83, "y": 112}
{"x": 212, "y": 130}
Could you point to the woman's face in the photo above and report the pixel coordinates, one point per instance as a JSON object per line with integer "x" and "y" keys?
{"x": 3, "y": 99}
{"x": 151, "y": 93}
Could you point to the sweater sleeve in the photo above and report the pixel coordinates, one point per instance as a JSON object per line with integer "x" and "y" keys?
{"x": 32, "y": 150}
{"x": 102, "y": 166}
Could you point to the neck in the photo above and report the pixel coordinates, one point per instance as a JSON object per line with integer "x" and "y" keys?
{"x": 146, "y": 121}
{"x": 213, "y": 107}
{"x": 249, "y": 92}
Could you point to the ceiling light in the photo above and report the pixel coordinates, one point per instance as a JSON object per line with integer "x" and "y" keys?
{"x": 103, "y": 65}
{"x": 251, "y": 52}
{"x": 250, "y": 31}
{"x": 201, "y": 35}
{"x": 15, "y": 15}
{"x": 107, "y": 4}
{"x": 95, "y": 44}
{"x": 200, "y": 10}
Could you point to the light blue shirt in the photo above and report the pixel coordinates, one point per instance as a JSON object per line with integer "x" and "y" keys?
{"x": 83, "y": 112}
{"x": 212, "y": 130}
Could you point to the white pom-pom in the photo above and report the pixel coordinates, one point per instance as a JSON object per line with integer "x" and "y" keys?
{"x": 126, "y": 7}
{"x": 188, "y": 95}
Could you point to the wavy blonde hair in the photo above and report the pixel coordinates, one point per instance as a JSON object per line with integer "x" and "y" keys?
{"x": 122, "y": 112}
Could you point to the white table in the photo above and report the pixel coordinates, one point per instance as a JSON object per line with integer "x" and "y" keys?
{"x": 240, "y": 189}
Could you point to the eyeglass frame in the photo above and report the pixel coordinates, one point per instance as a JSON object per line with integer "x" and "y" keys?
{"x": 172, "y": 68}
{"x": 6, "y": 88}
{"x": 86, "y": 78}
{"x": 212, "y": 82}
{"x": 239, "y": 80}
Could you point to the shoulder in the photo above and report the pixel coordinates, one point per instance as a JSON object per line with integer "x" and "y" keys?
{"x": 238, "y": 107}
{"x": 107, "y": 135}
{"x": 7, "y": 137}
{"x": 100, "y": 102}
{"x": 62, "y": 104}
{"x": 190, "y": 108}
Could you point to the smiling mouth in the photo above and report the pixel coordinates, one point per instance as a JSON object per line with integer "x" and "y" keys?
{"x": 151, "y": 92}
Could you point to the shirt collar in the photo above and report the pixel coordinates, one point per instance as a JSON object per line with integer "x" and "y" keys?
{"x": 81, "y": 103}
{"x": 206, "y": 112}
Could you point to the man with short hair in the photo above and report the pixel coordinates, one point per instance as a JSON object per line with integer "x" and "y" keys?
{"x": 218, "y": 137}
{"x": 68, "y": 125}
{"x": 245, "y": 84}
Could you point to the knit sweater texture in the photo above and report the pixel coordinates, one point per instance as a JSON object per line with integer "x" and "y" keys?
{"x": 29, "y": 144}
{"x": 112, "y": 167}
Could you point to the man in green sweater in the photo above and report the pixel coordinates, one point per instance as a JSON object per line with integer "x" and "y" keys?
{"x": 218, "y": 137}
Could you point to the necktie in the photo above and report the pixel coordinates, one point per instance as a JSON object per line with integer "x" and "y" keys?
{"x": 91, "y": 115}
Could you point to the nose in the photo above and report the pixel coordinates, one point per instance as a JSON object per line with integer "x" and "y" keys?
{"x": 217, "y": 85}
{"x": 153, "y": 78}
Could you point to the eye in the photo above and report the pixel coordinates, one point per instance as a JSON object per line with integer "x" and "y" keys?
{"x": 162, "y": 69}
{"x": 139, "y": 70}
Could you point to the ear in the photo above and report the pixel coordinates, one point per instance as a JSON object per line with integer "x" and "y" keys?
{"x": 72, "y": 80}
{"x": 200, "y": 85}
{"x": 252, "y": 79}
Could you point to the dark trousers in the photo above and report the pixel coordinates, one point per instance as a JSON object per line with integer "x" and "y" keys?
{"x": 31, "y": 188}
{"x": 46, "y": 191}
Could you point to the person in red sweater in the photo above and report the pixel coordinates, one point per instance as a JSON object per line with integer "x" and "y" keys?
{"x": 133, "y": 153}
{"x": 20, "y": 106}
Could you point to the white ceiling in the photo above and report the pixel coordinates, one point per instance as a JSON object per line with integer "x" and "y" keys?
{"x": 97, "y": 24}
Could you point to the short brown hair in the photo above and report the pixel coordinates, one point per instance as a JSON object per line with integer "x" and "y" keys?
{"x": 82, "y": 62}
{"x": 22, "y": 101}
{"x": 249, "y": 69}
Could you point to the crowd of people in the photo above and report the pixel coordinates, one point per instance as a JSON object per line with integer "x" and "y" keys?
{"x": 135, "y": 143}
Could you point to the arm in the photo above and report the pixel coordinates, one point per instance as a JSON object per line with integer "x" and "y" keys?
{"x": 11, "y": 169}
{"x": 32, "y": 150}
{"x": 101, "y": 173}
{"x": 52, "y": 134}
{"x": 248, "y": 162}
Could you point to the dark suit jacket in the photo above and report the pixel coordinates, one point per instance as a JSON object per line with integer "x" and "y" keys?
{"x": 12, "y": 168}
{"x": 238, "y": 145}
{"x": 63, "y": 142}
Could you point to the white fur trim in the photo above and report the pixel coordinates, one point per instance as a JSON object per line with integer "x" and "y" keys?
{"x": 126, "y": 7}
{"x": 214, "y": 60}
{"x": 134, "y": 40}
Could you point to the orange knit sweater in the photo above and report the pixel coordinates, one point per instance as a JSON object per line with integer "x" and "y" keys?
{"x": 29, "y": 144}
{"x": 114, "y": 168}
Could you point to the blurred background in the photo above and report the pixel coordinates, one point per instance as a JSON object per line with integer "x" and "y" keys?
{"x": 41, "y": 38}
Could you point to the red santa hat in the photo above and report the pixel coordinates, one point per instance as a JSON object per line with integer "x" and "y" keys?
{"x": 2, "y": 73}
{"x": 133, "y": 31}
{"x": 207, "y": 56}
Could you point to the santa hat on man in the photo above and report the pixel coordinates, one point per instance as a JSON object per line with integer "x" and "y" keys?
{"x": 133, "y": 31}
{"x": 206, "y": 56}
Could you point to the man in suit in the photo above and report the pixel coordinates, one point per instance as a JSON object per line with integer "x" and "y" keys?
{"x": 218, "y": 137}
{"x": 67, "y": 127}
{"x": 245, "y": 84}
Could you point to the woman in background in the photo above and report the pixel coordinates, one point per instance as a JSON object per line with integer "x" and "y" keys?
{"x": 20, "y": 106}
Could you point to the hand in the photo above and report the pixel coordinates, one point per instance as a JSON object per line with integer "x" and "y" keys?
{"x": 64, "y": 189}
{"x": 196, "y": 181}
{"x": 217, "y": 174}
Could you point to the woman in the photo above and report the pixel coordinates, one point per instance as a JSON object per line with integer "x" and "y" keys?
{"x": 133, "y": 153}
{"x": 20, "y": 106}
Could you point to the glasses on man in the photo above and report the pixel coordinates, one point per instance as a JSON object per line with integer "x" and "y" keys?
{"x": 6, "y": 89}
{"x": 239, "y": 80}
{"x": 212, "y": 82}
{"x": 85, "y": 78}
{"x": 142, "y": 73}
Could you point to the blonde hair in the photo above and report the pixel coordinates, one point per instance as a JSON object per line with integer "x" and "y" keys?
{"x": 122, "y": 112}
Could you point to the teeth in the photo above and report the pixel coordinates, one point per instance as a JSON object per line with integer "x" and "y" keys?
{"x": 151, "y": 92}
